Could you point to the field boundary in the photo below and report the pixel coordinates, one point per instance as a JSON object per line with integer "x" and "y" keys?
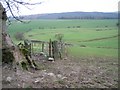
{"x": 96, "y": 39}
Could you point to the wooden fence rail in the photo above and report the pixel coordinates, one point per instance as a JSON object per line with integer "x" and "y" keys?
{"x": 52, "y": 49}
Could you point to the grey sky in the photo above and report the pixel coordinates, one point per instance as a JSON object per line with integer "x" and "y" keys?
{"x": 56, "y": 6}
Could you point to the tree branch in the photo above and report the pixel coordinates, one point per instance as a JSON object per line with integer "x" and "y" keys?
{"x": 26, "y": 3}
{"x": 14, "y": 5}
{"x": 12, "y": 12}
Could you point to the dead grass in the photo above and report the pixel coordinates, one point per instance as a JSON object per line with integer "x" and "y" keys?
{"x": 90, "y": 72}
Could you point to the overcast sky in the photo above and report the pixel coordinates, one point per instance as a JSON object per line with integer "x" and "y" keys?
{"x": 57, "y": 6}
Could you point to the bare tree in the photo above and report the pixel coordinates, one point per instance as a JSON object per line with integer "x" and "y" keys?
{"x": 13, "y": 6}
{"x": 11, "y": 52}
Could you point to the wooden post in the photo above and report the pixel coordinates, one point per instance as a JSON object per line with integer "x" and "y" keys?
{"x": 50, "y": 48}
{"x": 56, "y": 53}
{"x": 32, "y": 48}
{"x": 43, "y": 47}
{"x": 53, "y": 51}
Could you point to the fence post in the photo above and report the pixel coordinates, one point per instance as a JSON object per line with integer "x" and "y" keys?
{"x": 53, "y": 53}
{"x": 43, "y": 47}
{"x": 32, "y": 48}
{"x": 50, "y": 48}
{"x": 55, "y": 49}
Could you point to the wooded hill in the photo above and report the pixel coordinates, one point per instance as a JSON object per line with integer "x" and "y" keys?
{"x": 74, "y": 15}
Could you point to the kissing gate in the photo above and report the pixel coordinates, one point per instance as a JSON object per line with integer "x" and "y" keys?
{"x": 52, "y": 49}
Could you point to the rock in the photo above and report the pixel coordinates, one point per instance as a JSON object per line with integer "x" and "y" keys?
{"x": 65, "y": 58}
{"x": 53, "y": 61}
{"x": 9, "y": 79}
{"x": 23, "y": 85}
{"x": 59, "y": 76}
{"x": 51, "y": 74}
{"x": 42, "y": 53}
{"x": 64, "y": 77}
{"x": 37, "y": 81}
{"x": 43, "y": 72}
{"x": 73, "y": 72}
{"x": 99, "y": 67}
{"x": 19, "y": 85}
{"x": 50, "y": 59}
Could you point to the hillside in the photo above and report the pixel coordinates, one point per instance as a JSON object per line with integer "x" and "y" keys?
{"x": 74, "y": 15}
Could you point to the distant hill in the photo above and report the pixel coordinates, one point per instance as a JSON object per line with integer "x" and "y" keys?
{"x": 74, "y": 15}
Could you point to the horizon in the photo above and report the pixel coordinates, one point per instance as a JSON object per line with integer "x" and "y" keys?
{"x": 62, "y": 6}
{"x": 71, "y": 12}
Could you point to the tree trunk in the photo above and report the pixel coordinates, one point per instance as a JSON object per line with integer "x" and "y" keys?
{"x": 10, "y": 52}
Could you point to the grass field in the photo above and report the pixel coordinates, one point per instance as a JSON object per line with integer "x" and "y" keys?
{"x": 99, "y": 37}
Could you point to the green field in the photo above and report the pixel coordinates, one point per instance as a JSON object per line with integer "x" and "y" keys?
{"x": 88, "y": 37}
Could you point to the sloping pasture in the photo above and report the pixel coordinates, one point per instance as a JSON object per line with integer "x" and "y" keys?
{"x": 76, "y": 32}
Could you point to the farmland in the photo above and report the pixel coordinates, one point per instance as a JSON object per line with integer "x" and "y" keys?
{"x": 87, "y": 37}
{"x": 91, "y": 60}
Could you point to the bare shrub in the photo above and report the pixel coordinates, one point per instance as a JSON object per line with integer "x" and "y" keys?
{"x": 19, "y": 36}
{"x": 59, "y": 36}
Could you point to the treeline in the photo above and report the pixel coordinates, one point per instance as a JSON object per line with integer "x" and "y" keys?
{"x": 74, "y": 15}
{"x": 88, "y": 17}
